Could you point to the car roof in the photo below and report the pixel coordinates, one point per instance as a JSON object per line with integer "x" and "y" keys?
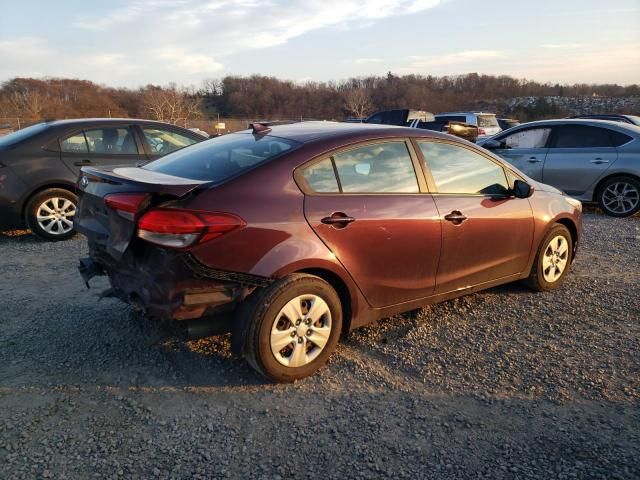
{"x": 580, "y": 121}
{"x": 99, "y": 121}
{"x": 613, "y": 125}
{"x": 464, "y": 113}
{"x": 307, "y": 132}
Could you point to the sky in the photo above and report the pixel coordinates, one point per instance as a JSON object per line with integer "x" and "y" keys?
{"x": 137, "y": 42}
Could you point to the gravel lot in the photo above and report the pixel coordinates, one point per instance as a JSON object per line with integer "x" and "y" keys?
{"x": 502, "y": 384}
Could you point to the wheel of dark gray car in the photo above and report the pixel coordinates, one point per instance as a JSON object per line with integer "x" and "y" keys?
{"x": 291, "y": 327}
{"x": 619, "y": 196}
{"x": 50, "y": 214}
{"x": 552, "y": 260}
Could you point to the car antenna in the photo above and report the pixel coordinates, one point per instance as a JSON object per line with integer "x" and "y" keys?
{"x": 259, "y": 128}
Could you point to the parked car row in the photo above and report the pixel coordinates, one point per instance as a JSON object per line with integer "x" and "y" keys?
{"x": 290, "y": 235}
{"x": 591, "y": 160}
{"x": 39, "y": 165}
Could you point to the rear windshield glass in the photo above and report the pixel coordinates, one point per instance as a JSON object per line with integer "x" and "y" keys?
{"x": 223, "y": 157}
{"x": 487, "y": 121}
{"x": 23, "y": 134}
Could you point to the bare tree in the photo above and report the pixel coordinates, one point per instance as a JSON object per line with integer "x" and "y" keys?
{"x": 357, "y": 102}
{"x": 171, "y": 104}
{"x": 27, "y": 103}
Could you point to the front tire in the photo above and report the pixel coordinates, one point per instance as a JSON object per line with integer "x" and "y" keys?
{"x": 552, "y": 260}
{"x": 291, "y": 327}
{"x": 619, "y": 196}
{"x": 50, "y": 214}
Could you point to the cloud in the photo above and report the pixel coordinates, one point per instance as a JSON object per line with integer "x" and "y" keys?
{"x": 562, "y": 46}
{"x": 182, "y": 41}
{"x": 458, "y": 61}
{"x": 24, "y": 48}
{"x": 243, "y": 24}
{"x": 365, "y": 61}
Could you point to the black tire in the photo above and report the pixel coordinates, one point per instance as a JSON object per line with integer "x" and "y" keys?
{"x": 605, "y": 196}
{"x": 58, "y": 226}
{"x": 537, "y": 280}
{"x": 258, "y": 315}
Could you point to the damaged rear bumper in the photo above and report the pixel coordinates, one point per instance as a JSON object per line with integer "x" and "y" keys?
{"x": 170, "y": 285}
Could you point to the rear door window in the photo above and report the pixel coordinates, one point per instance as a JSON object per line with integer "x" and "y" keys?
{"x": 75, "y": 143}
{"x": 581, "y": 136}
{"x": 321, "y": 177}
{"x": 162, "y": 141}
{"x": 618, "y": 139}
{"x": 111, "y": 141}
{"x": 379, "y": 168}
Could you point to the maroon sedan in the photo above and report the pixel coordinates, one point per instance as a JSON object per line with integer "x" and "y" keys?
{"x": 301, "y": 232}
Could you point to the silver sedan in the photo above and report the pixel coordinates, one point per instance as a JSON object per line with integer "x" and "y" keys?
{"x": 591, "y": 160}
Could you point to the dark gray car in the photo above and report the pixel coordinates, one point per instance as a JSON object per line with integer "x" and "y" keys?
{"x": 39, "y": 165}
{"x": 591, "y": 160}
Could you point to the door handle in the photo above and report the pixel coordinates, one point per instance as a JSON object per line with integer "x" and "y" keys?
{"x": 534, "y": 160}
{"x": 82, "y": 163}
{"x": 599, "y": 161}
{"x": 338, "y": 220}
{"x": 455, "y": 217}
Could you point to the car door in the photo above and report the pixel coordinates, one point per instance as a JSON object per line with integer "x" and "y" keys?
{"x": 100, "y": 146}
{"x": 526, "y": 149}
{"x": 486, "y": 232}
{"x": 372, "y": 211}
{"x": 578, "y": 156}
{"x": 160, "y": 140}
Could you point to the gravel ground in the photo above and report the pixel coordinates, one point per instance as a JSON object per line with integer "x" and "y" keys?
{"x": 502, "y": 384}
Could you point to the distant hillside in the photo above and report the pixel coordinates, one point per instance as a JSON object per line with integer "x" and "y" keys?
{"x": 25, "y": 100}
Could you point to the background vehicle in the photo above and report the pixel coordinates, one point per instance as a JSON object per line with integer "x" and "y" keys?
{"x": 40, "y": 165}
{"x": 486, "y": 122}
{"x": 424, "y": 120}
{"x": 507, "y": 123}
{"x": 371, "y": 223}
{"x": 591, "y": 160}
{"x": 632, "y": 119}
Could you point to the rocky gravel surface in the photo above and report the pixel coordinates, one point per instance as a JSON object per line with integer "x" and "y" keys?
{"x": 501, "y": 384}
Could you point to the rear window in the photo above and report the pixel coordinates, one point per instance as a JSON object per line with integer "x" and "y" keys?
{"x": 23, "y": 134}
{"x": 223, "y": 157}
{"x": 452, "y": 118}
{"x": 487, "y": 121}
{"x": 581, "y": 136}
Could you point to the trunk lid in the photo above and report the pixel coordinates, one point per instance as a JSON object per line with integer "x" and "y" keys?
{"x": 104, "y": 226}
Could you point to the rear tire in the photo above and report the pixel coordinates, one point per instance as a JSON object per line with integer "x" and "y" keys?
{"x": 50, "y": 213}
{"x": 552, "y": 260}
{"x": 289, "y": 329}
{"x": 619, "y": 196}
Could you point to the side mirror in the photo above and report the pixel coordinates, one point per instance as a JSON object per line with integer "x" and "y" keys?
{"x": 492, "y": 145}
{"x": 495, "y": 145}
{"x": 522, "y": 189}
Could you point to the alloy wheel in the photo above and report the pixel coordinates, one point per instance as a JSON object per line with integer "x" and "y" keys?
{"x": 555, "y": 258}
{"x": 300, "y": 331}
{"x": 55, "y": 215}
{"x": 620, "y": 197}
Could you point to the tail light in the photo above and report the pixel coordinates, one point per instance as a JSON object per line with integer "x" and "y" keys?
{"x": 482, "y": 131}
{"x": 179, "y": 228}
{"x": 126, "y": 204}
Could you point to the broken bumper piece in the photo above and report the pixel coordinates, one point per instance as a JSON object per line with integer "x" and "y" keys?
{"x": 171, "y": 286}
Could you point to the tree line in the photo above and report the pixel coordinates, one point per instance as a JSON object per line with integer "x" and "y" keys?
{"x": 262, "y": 97}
